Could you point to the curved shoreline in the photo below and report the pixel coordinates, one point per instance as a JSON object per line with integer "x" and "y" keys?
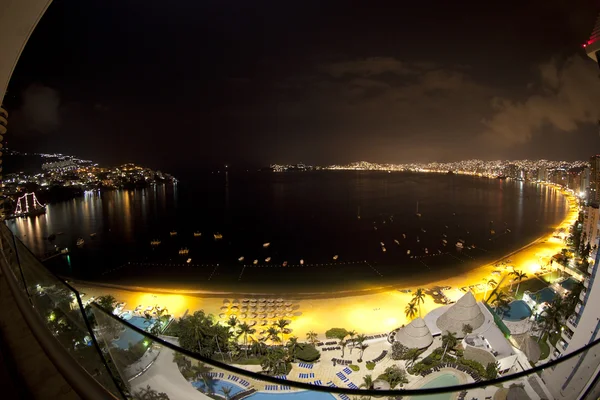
{"x": 330, "y": 294}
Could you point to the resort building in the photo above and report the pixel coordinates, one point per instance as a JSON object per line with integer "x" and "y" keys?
{"x": 577, "y": 377}
{"x": 415, "y": 335}
{"x": 590, "y": 231}
{"x": 489, "y": 348}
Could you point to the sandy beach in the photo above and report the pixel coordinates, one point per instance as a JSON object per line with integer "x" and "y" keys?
{"x": 366, "y": 313}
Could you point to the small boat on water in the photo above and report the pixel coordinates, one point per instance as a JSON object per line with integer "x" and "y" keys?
{"x": 80, "y": 242}
{"x": 218, "y": 236}
{"x": 301, "y": 262}
{"x": 459, "y": 245}
{"x": 426, "y": 251}
{"x": 255, "y": 262}
{"x": 197, "y": 234}
{"x": 154, "y": 242}
{"x": 375, "y": 227}
{"x": 507, "y": 230}
{"x": 241, "y": 259}
{"x": 423, "y": 230}
{"x": 267, "y": 259}
{"x": 418, "y": 214}
{"x": 266, "y": 245}
{"x": 418, "y": 240}
{"x": 397, "y": 242}
{"x": 335, "y": 257}
{"x": 382, "y": 244}
{"x": 173, "y": 233}
{"x": 407, "y": 251}
{"x": 404, "y": 236}
{"x": 444, "y": 241}
{"x": 492, "y": 232}
{"x": 284, "y": 264}
{"x": 189, "y": 260}
{"x": 444, "y": 235}
{"x": 93, "y": 234}
{"x": 383, "y": 249}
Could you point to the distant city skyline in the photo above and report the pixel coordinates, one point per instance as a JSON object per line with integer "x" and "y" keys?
{"x": 193, "y": 84}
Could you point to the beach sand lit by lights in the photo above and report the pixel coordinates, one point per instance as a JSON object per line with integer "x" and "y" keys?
{"x": 366, "y": 313}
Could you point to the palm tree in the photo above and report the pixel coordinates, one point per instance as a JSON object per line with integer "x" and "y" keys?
{"x": 519, "y": 276}
{"x": 412, "y": 355}
{"x": 281, "y": 324}
{"x": 245, "y": 330}
{"x": 419, "y": 298}
{"x": 367, "y": 382}
{"x": 448, "y": 340}
{"x": 311, "y": 336}
{"x": 201, "y": 370}
{"x": 273, "y": 333}
{"x": 411, "y": 310}
{"x": 490, "y": 283}
{"x": 342, "y": 343}
{"x": 500, "y": 301}
{"x": 352, "y": 333}
{"x": 226, "y": 391}
{"x": 360, "y": 340}
{"x": 232, "y": 322}
{"x": 292, "y": 345}
{"x": 552, "y": 316}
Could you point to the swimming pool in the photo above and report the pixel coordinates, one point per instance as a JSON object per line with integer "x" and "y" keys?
{"x": 217, "y": 385}
{"x": 569, "y": 284}
{"x": 545, "y": 295}
{"x": 130, "y": 336}
{"x": 519, "y": 310}
{"x": 303, "y": 395}
{"x": 443, "y": 380}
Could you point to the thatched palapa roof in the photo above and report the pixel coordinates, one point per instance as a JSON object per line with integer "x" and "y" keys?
{"x": 415, "y": 335}
{"x": 464, "y": 311}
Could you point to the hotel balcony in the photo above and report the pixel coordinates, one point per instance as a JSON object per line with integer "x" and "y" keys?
{"x": 582, "y": 295}
{"x": 577, "y": 308}
{"x": 590, "y": 268}
{"x": 586, "y": 282}
{"x": 562, "y": 346}
{"x": 567, "y": 335}
{"x": 572, "y": 323}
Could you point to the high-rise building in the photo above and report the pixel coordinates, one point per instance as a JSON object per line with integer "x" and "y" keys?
{"x": 590, "y": 232}
{"x": 576, "y": 378}
{"x": 594, "y": 195}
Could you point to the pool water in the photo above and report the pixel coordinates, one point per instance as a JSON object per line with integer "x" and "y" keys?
{"x": 545, "y": 295}
{"x": 519, "y": 310}
{"x": 217, "y": 385}
{"x": 130, "y": 336}
{"x": 569, "y": 284}
{"x": 303, "y": 395}
{"x": 443, "y": 380}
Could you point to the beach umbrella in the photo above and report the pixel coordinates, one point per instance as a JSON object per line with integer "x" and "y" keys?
{"x": 236, "y": 301}
{"x": 252, "y": 323}
{"x": 262, "y": 300}
{"x": 234, "y": 308}
{"x": 244, "y": 309}
{"x": 253, "y": 300}
{"x": 243, "y": 316}
{"x": 289, "y": 309}
{"x": 224, "y": 308}
{"x": 289, "y": 315}
{"x": 288, "y": 303}
{"x": 262, "y": 316}
{"x": 280, "y": 300}
{"x": 271, "y": 315}
{"x": 264, "y": 323}
{"x": 223, "y": 315}
{"x": 226, "y": 302}
{"x": 253, "y": 315}
{"x": 245, "y": 300}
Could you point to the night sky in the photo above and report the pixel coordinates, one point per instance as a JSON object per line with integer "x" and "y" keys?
{"x": 186, "y": 83}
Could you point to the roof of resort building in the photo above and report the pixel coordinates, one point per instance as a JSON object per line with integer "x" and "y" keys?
{"x": 478, "y": 349}
{"x": 380, "y": 384}
{"x": 528, "y": 346}
{"x": 415, "y": 335}
{"x": 517, "y": 392}
{"x": 464, "y": 311}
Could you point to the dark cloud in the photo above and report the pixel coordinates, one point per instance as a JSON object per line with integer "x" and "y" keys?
{"x": 39, "y": 112}
{"x": 565, "y": 96}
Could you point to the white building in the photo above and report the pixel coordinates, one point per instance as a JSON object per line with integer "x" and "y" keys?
{"x": 576, "y": 378}
{"x": 590, "y": 231}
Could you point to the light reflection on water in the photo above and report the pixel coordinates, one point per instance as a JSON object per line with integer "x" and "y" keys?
{"x": 306, "y": 215}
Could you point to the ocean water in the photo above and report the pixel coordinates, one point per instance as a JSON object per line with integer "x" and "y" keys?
{"x": 310, "y": 216}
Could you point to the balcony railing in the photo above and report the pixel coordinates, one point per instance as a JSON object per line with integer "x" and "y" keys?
{"x": 582, "y": 295}
{"x": 103, "y": 356}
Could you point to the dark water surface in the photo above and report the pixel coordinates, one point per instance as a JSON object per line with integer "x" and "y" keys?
{"x": 311, "y": 216}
